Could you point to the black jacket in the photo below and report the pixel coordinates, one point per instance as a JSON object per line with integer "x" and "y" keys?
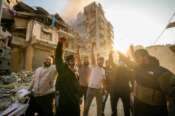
{"x": 120, "y": 78}
{"x": 156, "y": 77}
{"x": 67, "y": 84}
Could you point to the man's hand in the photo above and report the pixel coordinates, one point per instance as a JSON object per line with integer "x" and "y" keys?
{"x": 62, "y": 39}
{"x": 111, "y": 55}
{"x": 78, "y": 48}
{"x": 132, "y": 48}
{"x": 121, "y": 56}
{"x": 93, "y": 44}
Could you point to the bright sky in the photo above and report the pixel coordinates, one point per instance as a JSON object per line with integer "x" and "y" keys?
{"x": 134, "y": 21}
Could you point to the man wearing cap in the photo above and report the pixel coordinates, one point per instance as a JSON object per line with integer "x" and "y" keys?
{"x": 67, "y": 84}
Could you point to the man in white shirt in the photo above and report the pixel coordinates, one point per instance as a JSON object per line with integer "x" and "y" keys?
{"x": 43, "y": 87}
{"x": 96, "y": 83}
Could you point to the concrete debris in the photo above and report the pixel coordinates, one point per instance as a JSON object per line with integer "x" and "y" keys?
{"x": 10, "y": 84}
{"x": 5, "y": 102}
{"x": 23, "y": 77}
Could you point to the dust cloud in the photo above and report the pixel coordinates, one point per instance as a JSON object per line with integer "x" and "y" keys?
{"x": 73, "y": 7}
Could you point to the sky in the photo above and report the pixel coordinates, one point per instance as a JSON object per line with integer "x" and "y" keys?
{"x": 137, "y": 22}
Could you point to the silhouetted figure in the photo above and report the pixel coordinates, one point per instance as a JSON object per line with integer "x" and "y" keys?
{"x": 106, "y": 90}
{"x": 121, "y": 76}
{"x": 153, "y": 85}
{"x": 67, "y": 84}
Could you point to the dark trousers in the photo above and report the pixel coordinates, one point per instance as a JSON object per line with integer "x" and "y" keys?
{"x": 105, "y": 97}
{"x": 41, "y": 105}
{"x": 91, "y": 93}
{"x": 115, "y": 95}
{"x": 142, "y": 109}
{"x": 172, "y": 109}
{"x": 83, "y": 92}
{"x": 67, "y": 107}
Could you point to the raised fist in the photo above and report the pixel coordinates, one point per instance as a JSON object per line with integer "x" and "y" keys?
{"x": 78, "y": 47}
{"x": 93, "y": 44}
{"x": 62, "y": 39}
{"x": 121, "y": 56}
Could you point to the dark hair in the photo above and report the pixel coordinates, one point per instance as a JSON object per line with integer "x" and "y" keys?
{"x": 69, "y": 57}
{"x": 141, "y": 52}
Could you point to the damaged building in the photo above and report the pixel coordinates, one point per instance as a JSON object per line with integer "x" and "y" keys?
{"x": 34, "y": 35}
{"x": 93, "y": 26}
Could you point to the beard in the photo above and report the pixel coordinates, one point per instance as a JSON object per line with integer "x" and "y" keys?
{"x": 72, "y": 65}
{"x": 100, "y": 65}
{"x": 46, "y": 64}
{"x": 86, "y": 63}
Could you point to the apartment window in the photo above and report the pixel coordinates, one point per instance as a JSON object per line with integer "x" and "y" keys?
{"x": 46, "y": 35}
{"x": 20, "y": 33}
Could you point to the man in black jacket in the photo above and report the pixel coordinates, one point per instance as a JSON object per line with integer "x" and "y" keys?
{"x": 153, "y": 85}
{"x": 119, "y": 86}
{"x": 67, "y": 84}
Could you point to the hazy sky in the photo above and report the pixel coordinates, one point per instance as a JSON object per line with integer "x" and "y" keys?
{"x": 134, "y": 21}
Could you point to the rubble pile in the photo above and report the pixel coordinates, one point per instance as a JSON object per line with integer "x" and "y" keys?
{"x": 6, "y": 97}
{"x": 7, "y": 89}
{"x": 24, "y": 78}
{"x": 9, "y": 84}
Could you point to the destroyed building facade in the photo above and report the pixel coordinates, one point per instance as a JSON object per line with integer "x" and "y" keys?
{"x": 34, "y": 35}
{"x": 93, "y": 26}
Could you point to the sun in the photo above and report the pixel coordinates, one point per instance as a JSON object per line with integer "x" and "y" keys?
{"x": 120, "y": 46}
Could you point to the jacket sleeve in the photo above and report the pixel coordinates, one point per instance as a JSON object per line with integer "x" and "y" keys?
{"x": 59, "y": 57}
{"x": 167, "y": 82}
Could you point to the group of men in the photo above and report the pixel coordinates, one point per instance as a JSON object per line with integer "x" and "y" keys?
{"x": 151, "y": 85}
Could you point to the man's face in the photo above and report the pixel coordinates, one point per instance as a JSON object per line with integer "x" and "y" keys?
{"x": 100, "y": 62}
{"x": 86, "y": 61}
{"x": 47, "y": 62}
{"x": 142, "y": 60}
{"x": 71, "y": 62}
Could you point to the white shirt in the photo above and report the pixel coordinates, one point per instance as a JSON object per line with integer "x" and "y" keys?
{"x": 44, "y": 80}
{"x": 96, "y": 77}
